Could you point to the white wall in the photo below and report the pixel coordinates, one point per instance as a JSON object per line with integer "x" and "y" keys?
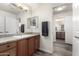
{"x": 75, "y": 18}
{"x": 67, "y": 25}
{"x": 75, "y": 29}
{"x": 44, "y": 13}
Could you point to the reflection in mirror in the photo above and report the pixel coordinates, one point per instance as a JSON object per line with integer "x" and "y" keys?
{"x": 59, "y": 24}
{"x": 12, "y": 18}
{"x": 32, "y": 22}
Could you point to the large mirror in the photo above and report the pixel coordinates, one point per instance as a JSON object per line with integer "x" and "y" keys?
{"x": 13, "y": 18}
{"x": 32, "y": 22}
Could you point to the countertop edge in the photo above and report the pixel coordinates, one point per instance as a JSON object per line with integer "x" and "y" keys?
{"x": 15, "y": 39}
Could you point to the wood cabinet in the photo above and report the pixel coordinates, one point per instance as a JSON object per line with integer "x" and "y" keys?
{"x": 11, "y": 52}
{"x": 31, "y": 45}
{"x": 37, "y": 43}
{"x": 27, "y": 46}
{"x": 22, "y": 47}
{"x": 60, "y": 35}
{"x": 8, "y": 49}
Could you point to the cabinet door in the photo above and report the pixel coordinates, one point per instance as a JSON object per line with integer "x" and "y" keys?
{"x": 58, "y": 35}
{"x": 37, "y": 43}
{"x": 31, "y": 46}
{"x": 11, "y": 52}
{"x": 22, "y": 48}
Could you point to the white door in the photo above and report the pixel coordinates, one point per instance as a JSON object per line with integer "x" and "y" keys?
{"x": 68, "y": 29}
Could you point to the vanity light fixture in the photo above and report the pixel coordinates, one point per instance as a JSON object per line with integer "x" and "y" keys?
{"x": 18, "y": 5}
{"x": 25, "y": 8}
{"x": 60, "y": 8}
{"x": 60, "y": 19}
{"x": 21, "y": 6}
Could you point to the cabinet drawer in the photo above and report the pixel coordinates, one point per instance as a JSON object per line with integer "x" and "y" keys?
{"x": 11, "y": 52}
{"x": 37, "y": 37}
{"x": 7, "y": 46}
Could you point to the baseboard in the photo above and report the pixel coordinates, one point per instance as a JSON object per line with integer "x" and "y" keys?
{"x": 42, "y": 50}
{"x": 69, "y": 44}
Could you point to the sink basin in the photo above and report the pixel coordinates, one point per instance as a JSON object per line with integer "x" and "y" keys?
{"x": 23, "y": 36}
{"x": 27, "y": 35}
{"x": 18, "y": 36}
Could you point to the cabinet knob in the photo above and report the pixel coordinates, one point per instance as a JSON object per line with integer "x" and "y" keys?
{"x": 8, "y": 55}
{"x": 8, "y": 46}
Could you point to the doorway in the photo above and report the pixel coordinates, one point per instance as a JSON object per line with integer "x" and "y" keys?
{"x": 59, "y": 28}
{"x": 62, "y": 44}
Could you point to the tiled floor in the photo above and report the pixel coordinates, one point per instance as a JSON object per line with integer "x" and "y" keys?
{"x": 60, "y": 49}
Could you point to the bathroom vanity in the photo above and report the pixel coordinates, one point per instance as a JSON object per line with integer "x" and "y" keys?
{"x": 24, "y": 45}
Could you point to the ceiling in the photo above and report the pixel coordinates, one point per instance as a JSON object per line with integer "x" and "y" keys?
{"x": 9, "y": 8}
{"x": 68, "y": 7}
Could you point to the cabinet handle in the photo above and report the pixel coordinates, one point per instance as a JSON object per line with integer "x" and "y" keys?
{"x": 8, "y": 55}
{"x": 8, "y": 46}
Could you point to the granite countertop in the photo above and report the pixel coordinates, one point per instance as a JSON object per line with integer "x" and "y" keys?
{"x": 15, "y": 38}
